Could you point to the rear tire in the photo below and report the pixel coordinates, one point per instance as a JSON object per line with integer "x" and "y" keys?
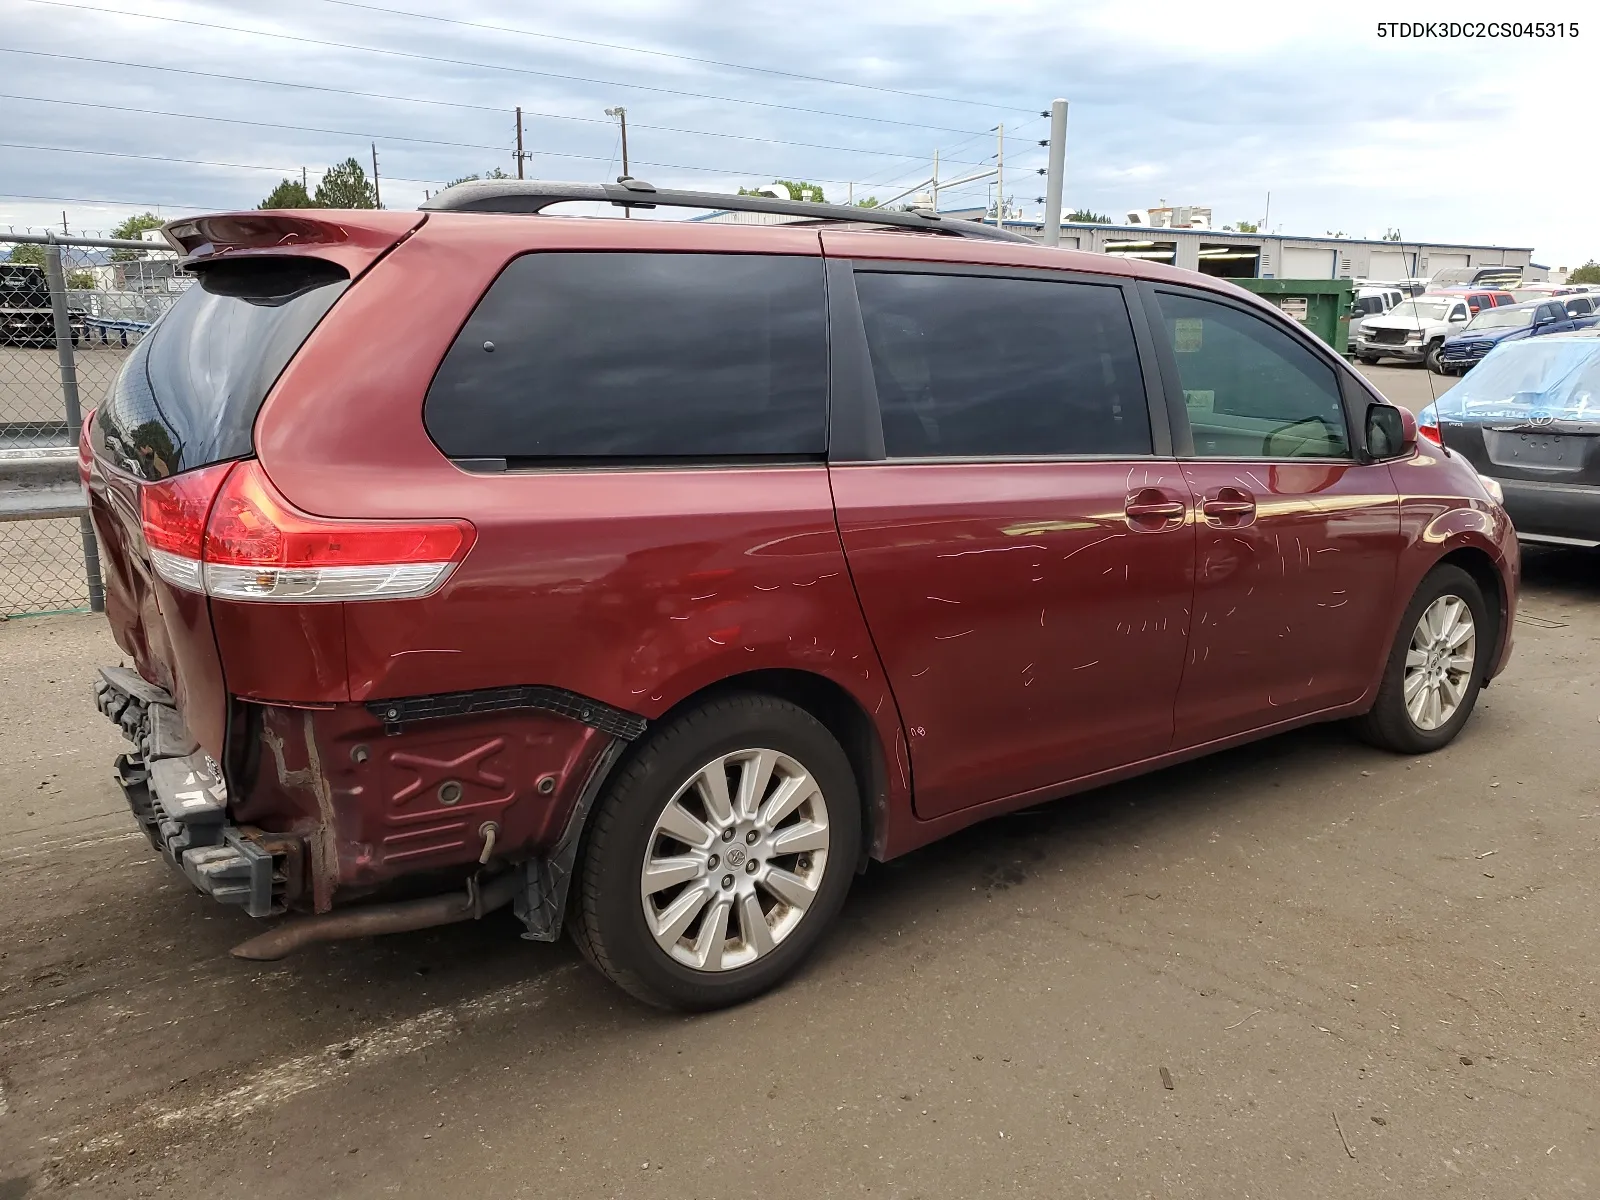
{"x": 1431, "y": 680}
{"x": 661, "y": 818}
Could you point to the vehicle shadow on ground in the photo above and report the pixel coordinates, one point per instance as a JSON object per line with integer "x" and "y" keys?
{"x": 966, "y": 870}
{"x": 1571, "y": 574}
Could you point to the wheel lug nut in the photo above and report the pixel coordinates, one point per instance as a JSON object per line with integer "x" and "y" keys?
{"x": 751, "y": 867}
{"x": 751, "y": 837}
{"x": 727, "y": 835}
{"x": 711, "y": 863}
{"x": 727, "y": 881}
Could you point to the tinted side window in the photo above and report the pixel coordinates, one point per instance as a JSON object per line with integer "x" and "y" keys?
{"x": 643, "y": 356}
{"x": 969, "y": 366}
{"x": 1251, "y": 390}
{"x": 1579, "y": 307}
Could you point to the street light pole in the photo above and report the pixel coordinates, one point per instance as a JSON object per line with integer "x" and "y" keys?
{"x": 621, "y": 114}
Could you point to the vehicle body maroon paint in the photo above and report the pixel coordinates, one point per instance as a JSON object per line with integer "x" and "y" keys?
{"x": 977, "y": 631}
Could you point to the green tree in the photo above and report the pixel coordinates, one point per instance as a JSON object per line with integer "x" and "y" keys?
{"x": 291, "y": 193}
{"x": 869, "y": 202}
{"x": 1391, "y": 235}
{"x": 346, "y": 186}
{"x": 80, "y": 281}
{"x": 797, "y": 189}
{"x": 27, "y": 253}
{"x": 1084, "y": 216}
{"x": 495, "y": 173}
{"x": 1588, "y": 273}
{"x": 131, "y": 229}
{"x": 1248, "y": 226}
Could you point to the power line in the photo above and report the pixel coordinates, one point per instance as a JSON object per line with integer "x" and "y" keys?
{"x": 738, "y": 171}
{"x": 482, "y": 66}
{"x": 195, "y": 162}
{"x": 313, "y": 87}
{"x": 711, "y": 62}
{"x": 119, "y": 203}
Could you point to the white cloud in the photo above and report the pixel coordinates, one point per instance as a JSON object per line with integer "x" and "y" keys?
{"x": 1214, "y": 104}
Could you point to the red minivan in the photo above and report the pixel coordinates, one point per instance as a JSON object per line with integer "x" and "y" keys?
{"x": 652, "y": 577}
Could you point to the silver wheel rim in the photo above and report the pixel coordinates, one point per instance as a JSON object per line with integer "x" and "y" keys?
{"x": 1439, "y": 662}
{"x": 734, "y": 860}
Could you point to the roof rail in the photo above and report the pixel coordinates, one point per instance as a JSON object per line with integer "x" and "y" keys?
{"x": 536, "y": 195}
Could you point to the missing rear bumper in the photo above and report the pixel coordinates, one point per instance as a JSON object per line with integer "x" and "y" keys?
{"x": 176, "y": 793}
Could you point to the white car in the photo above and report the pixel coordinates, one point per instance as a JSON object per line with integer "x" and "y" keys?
{"x": 1413, "y": 330}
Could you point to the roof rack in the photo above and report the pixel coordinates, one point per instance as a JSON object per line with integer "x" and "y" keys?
{"x": 536, "y": 195}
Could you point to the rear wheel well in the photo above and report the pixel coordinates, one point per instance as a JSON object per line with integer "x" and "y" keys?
{"x": 838, "y": 712}
{"x": 1482, "y": 569}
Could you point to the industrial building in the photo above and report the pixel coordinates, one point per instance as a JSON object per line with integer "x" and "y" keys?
{"x": 1279, "y": 256}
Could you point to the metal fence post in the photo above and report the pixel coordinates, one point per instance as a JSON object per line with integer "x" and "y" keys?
{"x": 74, "y": 412}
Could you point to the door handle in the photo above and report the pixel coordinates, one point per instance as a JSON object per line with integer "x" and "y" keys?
{"x": 1151, "y": 508}
{"x": 1230, "y": 506}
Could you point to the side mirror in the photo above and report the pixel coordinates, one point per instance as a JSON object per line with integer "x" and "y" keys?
{"x": 1457, "y": 318}
{"x": 1391, "y": 431}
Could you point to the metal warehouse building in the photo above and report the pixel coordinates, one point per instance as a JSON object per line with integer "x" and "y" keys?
{"x": 1281, "y": 256}
{"x": 1249, "y": 255}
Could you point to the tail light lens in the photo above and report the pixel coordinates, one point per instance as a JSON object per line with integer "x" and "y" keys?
{"x": 85, "y": 453}
{"x": 1428, "y": 425}
{"x": 249, "y": 543}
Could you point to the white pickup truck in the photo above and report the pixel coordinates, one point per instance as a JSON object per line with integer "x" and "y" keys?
{"x": 1413, "y": 330}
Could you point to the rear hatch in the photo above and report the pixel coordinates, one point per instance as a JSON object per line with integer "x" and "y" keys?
{"x": 1530, "y": 412}
{"x": 185, "y": 402}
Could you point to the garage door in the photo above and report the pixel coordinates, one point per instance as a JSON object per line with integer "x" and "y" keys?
{"x": 1389, "y": 264}
{"x": 1446, "y": 262}
{"x": 1300, "y": 263}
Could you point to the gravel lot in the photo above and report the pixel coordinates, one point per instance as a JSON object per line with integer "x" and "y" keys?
{"x": 1300, "y": 969}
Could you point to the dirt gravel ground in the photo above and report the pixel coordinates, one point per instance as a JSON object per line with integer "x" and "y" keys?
{"x": 1300, "y": 969}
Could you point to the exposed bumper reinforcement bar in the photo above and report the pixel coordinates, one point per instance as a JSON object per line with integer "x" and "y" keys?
{"x": 178, "y": 797}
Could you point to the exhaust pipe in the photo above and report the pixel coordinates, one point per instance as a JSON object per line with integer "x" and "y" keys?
{"x": 371, "y": 919}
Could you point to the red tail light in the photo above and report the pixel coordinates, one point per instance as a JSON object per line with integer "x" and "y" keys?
{"x": 226, "y": 530}
{"x": 85, "y": 454}
{"x": 1431, "y": 432}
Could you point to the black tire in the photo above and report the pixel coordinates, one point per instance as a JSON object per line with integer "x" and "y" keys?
{"x": 607, "y": 918}
{"x": 1370, "y": 359}
{"x": 1430, "y": 357}
{"x": 1388, "y": 724}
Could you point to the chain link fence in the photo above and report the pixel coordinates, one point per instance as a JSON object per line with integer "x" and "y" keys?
{"x": 71, "y": 311}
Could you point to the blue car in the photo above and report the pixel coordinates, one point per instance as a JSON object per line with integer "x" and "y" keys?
{"x": 1512, "y": 322}
{"x": 1529, "y": 420}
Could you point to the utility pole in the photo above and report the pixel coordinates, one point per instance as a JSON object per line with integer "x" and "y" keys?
{"x": 621, "y": 114}
{"x": 1000, "y": 181}
{"x": 1056, "y": 171}
{"x": 935, "y": 192}
{"x": 377, "y": 196}
{"x": 520, "y": 155}
{"x": 64, "y": 232}
{"x": 303, "y": 180}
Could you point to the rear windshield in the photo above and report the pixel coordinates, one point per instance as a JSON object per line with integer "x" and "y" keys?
{"x": 189, "y": 393}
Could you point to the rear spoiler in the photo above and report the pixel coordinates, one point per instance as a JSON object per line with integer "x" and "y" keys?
{"x": 351, "y": 238}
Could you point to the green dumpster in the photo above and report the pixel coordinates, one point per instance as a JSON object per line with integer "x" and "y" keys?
{"x": 1321, "y": 305}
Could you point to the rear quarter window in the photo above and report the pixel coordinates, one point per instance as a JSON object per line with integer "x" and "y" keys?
{"x": 577, "y": 357}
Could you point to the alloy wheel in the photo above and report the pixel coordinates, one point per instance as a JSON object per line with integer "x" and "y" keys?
{"x": 1439, "y": 662}
{"x": 734, "y": 860}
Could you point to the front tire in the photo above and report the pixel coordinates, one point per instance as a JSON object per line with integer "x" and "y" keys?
{"x": 718, "y": 854}
{"x": 1431, "y": 358}
{"x": 1435, "y": 668}
{"x": 1370, "y": 359}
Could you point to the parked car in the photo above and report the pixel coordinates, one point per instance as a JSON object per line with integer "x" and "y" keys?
{"x": 653, "y": 577}
{"x": 1495, "y": 326}
{"x": 1370, "y": 301}
{"x": 1528, "y": 418}
{"x": 1477, "y": 298}
{"x": 1414, "y": 330}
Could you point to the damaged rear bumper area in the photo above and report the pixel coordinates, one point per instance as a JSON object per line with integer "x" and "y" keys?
{"x": 177, "y": 795}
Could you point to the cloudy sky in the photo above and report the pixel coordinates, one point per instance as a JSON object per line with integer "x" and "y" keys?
{"x": 1214, "y": 104}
